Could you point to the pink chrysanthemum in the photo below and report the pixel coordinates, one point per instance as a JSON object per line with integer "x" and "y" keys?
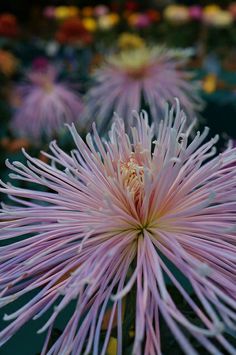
{"x": 139, "y": 78}
{"x": 45, "y": 106}
{"x": 116, "y": 217}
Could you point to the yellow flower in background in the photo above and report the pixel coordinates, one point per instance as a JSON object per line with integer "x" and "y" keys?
{"x": 210, "y": 83}
{"x": 112, "y": 347}
{"x": 211, "y": 9}
{"x": 87, "y": 11}
{"x": 135, "y": 59}
{"x": 62, "y": 12}
{"x": 218, "y": 18}
{"x": 8, "y": 63}
{"x": 223, "y": 19}
{"x": 176, "y": 14}
{"x": 209, "y": 13}
{"x": 108, "y": 21}
{"x": 89, "y": 23}
{"x": 130, "y": 41}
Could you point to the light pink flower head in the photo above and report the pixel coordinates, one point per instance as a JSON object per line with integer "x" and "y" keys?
{"x": 116, "y": 216}
{"x": 45, "y": 106}
{"x": 49, "y": 12}
{"x": 100, "y": 10}
{"x": 140, "y": 78}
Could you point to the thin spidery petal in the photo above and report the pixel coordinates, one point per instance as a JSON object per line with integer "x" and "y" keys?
{"x": 119, "y": 216}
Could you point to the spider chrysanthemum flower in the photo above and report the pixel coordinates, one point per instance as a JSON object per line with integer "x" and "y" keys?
{"x": 45, "y": 106}
{"x": 139, "y": 78}
{"x": 117, "y": 217}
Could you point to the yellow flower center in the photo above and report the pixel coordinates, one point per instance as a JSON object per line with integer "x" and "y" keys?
{"x": 133, "y": 177}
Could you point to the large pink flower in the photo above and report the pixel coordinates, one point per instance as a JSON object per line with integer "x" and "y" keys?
{"x": 139, "y": 78}
{"x": 45, "y": 106}
{"x": 116, "y": 216}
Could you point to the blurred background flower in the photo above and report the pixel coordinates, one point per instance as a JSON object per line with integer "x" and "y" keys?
{"x": 144, "y": 77}
{"x": 214, "y": 16}
{"x": 232, "y": 9}
{"x": 139, "y": 20}
{"x": 177, "y": 14}
{"x": 129, "y": 40}
{"x": 90, "y": 24}
{"x": 195, "y": 12}
{"x": 49, "y": 12}
{"x": 100, "y": 10}
{"x": 72, "y": 31}
{"x": 44, "y": 106}
{"x": 8, "y": 63}
{"x": 108, "y": 21}
{"x": 9, "y": 26}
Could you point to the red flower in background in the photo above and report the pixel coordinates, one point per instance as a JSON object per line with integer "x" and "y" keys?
{"x": 153, "y": 15}
{"x": 40, "y": 63}
{"x": 8, "y": 26}
{"x": 131, "y": 6}
{"x": 72, "y": 31}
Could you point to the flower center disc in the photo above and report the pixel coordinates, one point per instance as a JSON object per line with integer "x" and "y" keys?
{"x": 133, "y": 178}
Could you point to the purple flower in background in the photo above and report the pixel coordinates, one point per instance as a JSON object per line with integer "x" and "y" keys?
{"x": 40, "y": 64}
{"x": 45, "y": 105}
{"x": 111, "y": 211}
{"x": 195, "y": 12}
{"x": 143, "y": 76}
{"x": 142, "y": 21}
{"x": 49, "y": 12}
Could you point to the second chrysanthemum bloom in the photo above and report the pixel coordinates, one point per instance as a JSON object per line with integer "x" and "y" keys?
{"x": 45, "y": 105}
{"x": 140, "y": 78}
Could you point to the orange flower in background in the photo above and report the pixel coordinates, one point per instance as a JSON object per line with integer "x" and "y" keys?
{"x": 87, "y": 11}
{"x": 8, "y": 26}
{"x": 73, "y": 11}
{"x": 73, "y": 31}
{"x": 8, "y": 63}
{"x": 14, "y": 145}
{"x": 132, "y": 18}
